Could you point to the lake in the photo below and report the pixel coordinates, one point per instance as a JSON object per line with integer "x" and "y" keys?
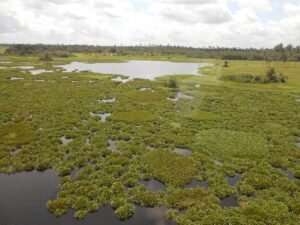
{"x": 23, "y": 198}
{"x": 138, "y": 68}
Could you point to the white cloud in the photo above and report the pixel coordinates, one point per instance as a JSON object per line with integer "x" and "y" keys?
{"x": 178, "y": 22}
{"x": 258, "y": 5}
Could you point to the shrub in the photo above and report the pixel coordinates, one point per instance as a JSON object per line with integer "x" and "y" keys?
{"x": 269, "y": 77}
{"x": 117, "y": 202}
{"x": 45, "y": 57}
{"x": 172, "y": 84}
{"x": 58, "y": 206}
{"x": 146, "y": 199}
{"x": 124, "y": 212}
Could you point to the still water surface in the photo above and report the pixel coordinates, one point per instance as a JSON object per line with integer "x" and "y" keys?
{"x": 138, "y": 68}
{"x": 23, "y": 198}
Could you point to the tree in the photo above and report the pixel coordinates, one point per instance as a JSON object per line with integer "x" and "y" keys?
{"x": 46, "y": 57}
{"x": 225, "y": 64}
{"x": 279, "y": 48}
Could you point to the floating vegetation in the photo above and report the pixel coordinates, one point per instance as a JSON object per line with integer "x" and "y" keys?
{"x": 16, "y": 134}
{"x": 222, "y": 146}
{"x": 134, "y": 116}
{"x": 232, "y": 144}
{"x": 170, "y": 168}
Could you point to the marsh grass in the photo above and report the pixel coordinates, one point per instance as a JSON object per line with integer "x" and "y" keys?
{"x": 250, "y": 129}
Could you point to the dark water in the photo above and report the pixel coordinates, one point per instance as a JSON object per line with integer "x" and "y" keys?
{"x": 234, "y": 180}
{"x": 196, "y": 183}
{"x": 137, "y": 68}
{"x": 229, "y": 201}
{"x": 23, "y": 198}
{"x": 154, "y": 185}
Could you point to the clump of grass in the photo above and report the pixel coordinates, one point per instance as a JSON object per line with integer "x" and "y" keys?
{"x": 202, "y": 116}
{"x": 225, "y": 145}
{"x": 170, "y": 168}
{"x": 16, "y": 134}
{"x": 186, "y": 198}
{"x": 269, "y": 77}
{"x": 134, "y": 116}
{"x": 125, "y": 212}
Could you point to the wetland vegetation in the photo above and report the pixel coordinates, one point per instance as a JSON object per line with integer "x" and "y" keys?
{"x": 180, "y": 149}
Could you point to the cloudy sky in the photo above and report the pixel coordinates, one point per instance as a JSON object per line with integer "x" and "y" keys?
{"x": 199, "y": 23}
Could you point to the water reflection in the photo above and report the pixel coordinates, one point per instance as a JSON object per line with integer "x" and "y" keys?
{"x": 183, "y": 151}
{"x": 154, "y": 185}
{"x": 24, "y": 197}
{"x": 103, "y": 116}
{"x": 229, "y": 201}
{"x": 36, "y": 72}
{"x": 16, "y": 78}
{"x": 65, "y": 141}
{"x": 196, "y": 183}
{"x": 234, "y": 180}
{"x": 113, "y": 145}
{"x": 180, "y": 95}
{"x": 138, "y": 68}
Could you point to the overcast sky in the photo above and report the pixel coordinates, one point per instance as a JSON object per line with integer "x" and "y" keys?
{"x": 199, "y": 23}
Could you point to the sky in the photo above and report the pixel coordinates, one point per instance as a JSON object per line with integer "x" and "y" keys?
{"x": 197, "y": 23}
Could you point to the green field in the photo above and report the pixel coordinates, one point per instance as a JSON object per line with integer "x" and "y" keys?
{"x": 230, "y": 128}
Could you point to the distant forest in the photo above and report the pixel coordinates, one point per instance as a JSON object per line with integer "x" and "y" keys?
{"x": 278, "y": 53}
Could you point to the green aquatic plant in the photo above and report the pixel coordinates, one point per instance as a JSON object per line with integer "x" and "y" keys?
{"x": 170, "y": 168}
{"x": 16, "y": 134}
{"x": 135, "y": 116}
{"x": 224, "y": 144}
{"x": 124, "y": 212}
{"x": 229, "y": 128}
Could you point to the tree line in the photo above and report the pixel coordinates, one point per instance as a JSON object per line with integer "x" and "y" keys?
{"x": 278, "y": 53}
